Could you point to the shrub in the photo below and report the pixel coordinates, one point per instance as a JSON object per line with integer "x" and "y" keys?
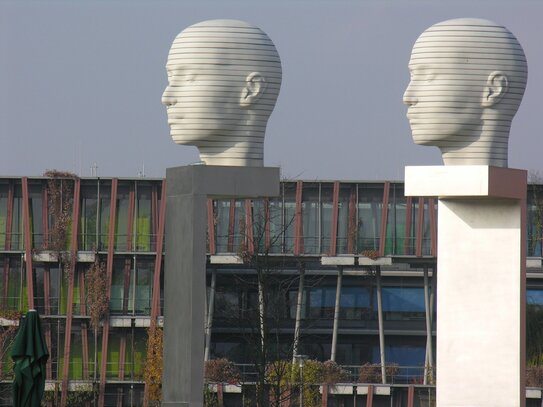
{"x": 221, "y": 371}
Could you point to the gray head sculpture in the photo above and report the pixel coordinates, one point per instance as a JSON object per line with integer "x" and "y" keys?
{"x": 224, "y": 78}
{"x": 467, "y": 81}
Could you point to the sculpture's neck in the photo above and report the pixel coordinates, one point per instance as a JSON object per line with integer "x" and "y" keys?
{"x": 490, "y": 148}
{"x": 246, "y": 153}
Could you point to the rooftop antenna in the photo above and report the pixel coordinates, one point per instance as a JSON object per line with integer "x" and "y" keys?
{"x": 141, "y": 173}
{"x": 94, "y": 170}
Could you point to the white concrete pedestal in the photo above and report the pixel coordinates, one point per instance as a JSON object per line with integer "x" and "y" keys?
{"x": 481, "y": 282}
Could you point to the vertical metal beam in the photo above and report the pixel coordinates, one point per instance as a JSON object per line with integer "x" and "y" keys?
{"x": 411, "y": 396}
{"x": 334, "y": 220}
{"x": 267, "y": 229}
{"x": 325, "y": 390}
{"x": 420, "y": 226}
{"x": 298, "y": 225}
{"x": 109, "y": 275}
{"x": 381, "y": 323}
{"x": 211, "y": 227}
{"x": 210, "y": 309}
{"x": 28, "y": 243}
{"x": 299, "y": 306}
{"x": 249, "y": 227}
{"x": 369, "y": 398}
{"x": 231, "y": 225}
{"x": 70, "y": 300}
{"x": 384, "y": 219}
{"x": 336, "y": 313}
{"x": 155, "y": 306}
{"x": 433, "y": 226}
{"x": 408, "y": 213}
{"x": 429, "y": 360}
{"x": 155, "y": 301}
{"x": 353, "y": 224}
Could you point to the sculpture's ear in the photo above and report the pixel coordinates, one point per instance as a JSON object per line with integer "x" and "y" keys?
{"x": 253, "y": 89}
{"x": 495, "y": 89}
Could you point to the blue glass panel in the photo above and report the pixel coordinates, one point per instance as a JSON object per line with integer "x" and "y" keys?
{"x": 534, "y": 297}
{"x": 403, "y": 299}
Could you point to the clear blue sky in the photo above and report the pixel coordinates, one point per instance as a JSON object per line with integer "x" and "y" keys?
{"x": 81, "y": 83}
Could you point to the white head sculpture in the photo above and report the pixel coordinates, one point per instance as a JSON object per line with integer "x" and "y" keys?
{"x": 224, "y": 77}
{"x": 467, "y": 81}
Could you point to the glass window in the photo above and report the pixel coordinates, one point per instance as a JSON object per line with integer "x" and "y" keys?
{"x": 327, "y": 194}
{"x": 344, "y": 222}
{"x": 534, "y": 296}
{"x": 122, "y": 221}
{"x": 227, "y": 302}
{"x": 3, "y": 213}
{"x": 403, "y": 303}
{"x": 355, "y": 303}
{"x": 322, "y": 302}
{"x": 222, "y": 210}
{"x": 35, "y": 193}
{"x": 310, "y": 218}
{"x": 370, "y": 199}
{"x": 277, "y": 225}
{"x": 289, "y": 224}
{"x": 89, "y": 217}
{"x": 117, "y": 286}
{"x": 105, "y": 203}
{"x": 144, "y": 287}
{"x": 143, "y": 224}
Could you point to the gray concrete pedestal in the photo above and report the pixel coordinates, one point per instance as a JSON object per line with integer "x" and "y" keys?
{"x": 187, "y": 190}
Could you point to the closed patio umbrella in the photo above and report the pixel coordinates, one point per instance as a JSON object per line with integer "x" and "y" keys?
{"x": 30, "y": 355}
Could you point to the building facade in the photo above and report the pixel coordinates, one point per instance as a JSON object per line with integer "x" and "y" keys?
{"x": 353, "y": 267}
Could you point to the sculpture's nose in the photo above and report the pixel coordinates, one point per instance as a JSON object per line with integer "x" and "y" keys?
{"x": 409, "y": 96}
{"x": 168, "y": 98}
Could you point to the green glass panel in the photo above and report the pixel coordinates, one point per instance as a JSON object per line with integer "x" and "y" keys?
{"x": 76, "y": 357}
{"x": 143, "y": 241}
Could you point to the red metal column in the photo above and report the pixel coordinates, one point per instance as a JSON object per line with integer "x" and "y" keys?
{"x": 411, "y": 396}
{"x": 109, "y": 275}
{"x": 433, "y": 226}
{"x": 28, "y": 243}
{"x": 7, "y": 245}
{"x": 408, "y": 213}
{"x": 420, "y": 226}
{"x": 249, "y": 226}
{"x": 155, "y": 301}
{"x": 369, "y": 399}
{"x": 70, "y": 300}
{"x": 298, "y": 225}
{"x": 155, "y": 307}
{"x": 384, "y": 218}
{"x": 353, "y": 224}
{"x": 211, "y": 227}
{"x": 231, "y": 225}
{"x": 324, "y": 395}
{"x": 335, "y": 214}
